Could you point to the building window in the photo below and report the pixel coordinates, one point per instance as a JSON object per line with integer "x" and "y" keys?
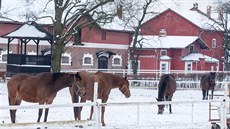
{"x": 163, "y": 52}
{"x": 3, "y": 56}
{"x": 103, "y": 35}
{"x": 66, "y": 59}
{"x": 77, "y": 37}
{"x": 188, "y": 66}
{"x": 191, "y": 48}
{"x": 87, "y": 59}
{"x": 116, "y": 60}
{"x": 213, "y": 43}
{"x": 162, "y": 33}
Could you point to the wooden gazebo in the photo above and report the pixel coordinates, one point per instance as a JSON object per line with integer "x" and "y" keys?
{"x": 21, "y": 62}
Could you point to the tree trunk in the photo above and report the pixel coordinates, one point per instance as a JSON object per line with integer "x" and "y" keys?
{"x": 56, "y": 56}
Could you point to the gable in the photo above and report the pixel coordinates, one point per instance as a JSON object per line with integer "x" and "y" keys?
{"x": 172, "y": 22}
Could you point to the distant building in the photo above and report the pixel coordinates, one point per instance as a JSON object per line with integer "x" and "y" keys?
{"x": 172, "y": 41}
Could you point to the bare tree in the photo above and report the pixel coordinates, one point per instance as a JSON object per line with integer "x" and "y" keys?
{"x": 67, "y": 19}
{"x": 138, "y": 12}
{"x": 223, "y": 10}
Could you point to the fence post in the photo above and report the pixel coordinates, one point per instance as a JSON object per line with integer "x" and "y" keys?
{"x": 224, "y": 107}
{"x": 96, "y": 105}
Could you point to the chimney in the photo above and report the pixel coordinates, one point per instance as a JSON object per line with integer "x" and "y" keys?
{"x": 195, "y": 6}
{"x": 220, "y": 14}
{"x": 209, "y": 11}
{"x": 119, "y": 11}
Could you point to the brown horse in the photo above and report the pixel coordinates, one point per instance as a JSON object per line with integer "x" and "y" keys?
{"x": 207, "y": 83}
{"x": 166, "y": 89}
{"x": 106, "y": 82}
{"x": 2, "y": 75}
{"x": 41, "y": 88}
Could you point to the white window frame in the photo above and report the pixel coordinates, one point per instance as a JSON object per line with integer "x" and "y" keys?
{"x": 67, "y": 55}
{"x": 87, "y": 56}
{"x": 163, "y": 50}
{"x": 186, "y": 66}
{"x": 117, "y": 57}
{"x": 167, "y": 67}
{"x": 214, "y": 43}
{"x": 4, "y": 53}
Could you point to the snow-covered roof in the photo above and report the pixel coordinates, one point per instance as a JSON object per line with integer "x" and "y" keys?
{"x": 116, "y": 24}
{"x": 149, "y": 41}
{"x": 197, "y": 56}
{"x": 28, "y": 31}
{"x": 199, "y": 19}
{"x": 165, "y": 57}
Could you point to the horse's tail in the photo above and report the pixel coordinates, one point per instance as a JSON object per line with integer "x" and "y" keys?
{"x": 162, "y": 86}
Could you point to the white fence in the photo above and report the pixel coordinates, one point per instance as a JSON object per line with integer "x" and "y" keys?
{"x": 223, "y": 105}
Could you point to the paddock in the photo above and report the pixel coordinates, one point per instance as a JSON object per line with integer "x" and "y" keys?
{"x": 139, "y": 111}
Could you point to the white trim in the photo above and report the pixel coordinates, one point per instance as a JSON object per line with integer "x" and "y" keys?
{"x": 66, "y": 55}
{"x": 166, "y": 67}
{"x": 214, "y": 43}
{"x": 89, "y": 56}
{"x": 117, "y": 57}
{"x": 4, "y": 53}
{"x": 186, "y": 66}
{"x": 102, "y": 45}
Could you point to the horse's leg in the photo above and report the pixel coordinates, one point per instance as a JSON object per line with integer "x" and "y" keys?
{"x": 212, "y": 93}
{"x": 207, "y": 94}
{"x": 204, "y": 94}
{"x": 91, "y": 113}
{"x": 40, "y": 111}
{"x": 103, "y": 110}
{"x": 12, "y": 101}
{"x": 46, "y": 114}
{"x": 169, "y": 98}
{"x": 80, "y": 108}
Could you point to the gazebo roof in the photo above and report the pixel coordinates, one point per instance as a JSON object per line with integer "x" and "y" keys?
{"x": 30, "y": 31}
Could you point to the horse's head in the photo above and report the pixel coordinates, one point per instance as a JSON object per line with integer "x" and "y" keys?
{"x": 125, "y": 88}
{"x": 160, "y": 107}
{"x": 212, "y": 77}
{"x": 78, "y": 88}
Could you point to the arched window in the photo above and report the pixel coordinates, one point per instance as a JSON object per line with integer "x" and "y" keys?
{"x": 3, "y": 56}
{"x": 66, "y": 59}
{"x": 87, "y": 59}
{"x": 117, "y": 60}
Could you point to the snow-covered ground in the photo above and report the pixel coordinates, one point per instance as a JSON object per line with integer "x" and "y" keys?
{"x": 184, "y": 116}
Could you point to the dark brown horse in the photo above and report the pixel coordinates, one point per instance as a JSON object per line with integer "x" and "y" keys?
{"x": 166, "y": 89}
{"x": 106, "y": 82}
{"x": 207, "y": 83}
{"x": 41, "y": 89}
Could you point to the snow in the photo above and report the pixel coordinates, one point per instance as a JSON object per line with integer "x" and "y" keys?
{"x": 197, "y": 56}
{"x": 155, "y": 41}
{"x": 122, "y": 117}
{"x": 27, "y": 31}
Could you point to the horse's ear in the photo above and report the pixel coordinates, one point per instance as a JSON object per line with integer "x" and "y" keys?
{"x": 125, "y": 77}
{"x": 78, "y": 75}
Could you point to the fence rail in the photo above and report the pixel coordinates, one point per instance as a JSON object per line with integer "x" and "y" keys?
{"x": 222, "y": 102}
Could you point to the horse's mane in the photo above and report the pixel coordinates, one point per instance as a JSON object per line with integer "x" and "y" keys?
{"x": 56, "y": 76}
{"x": 163, "y": 85}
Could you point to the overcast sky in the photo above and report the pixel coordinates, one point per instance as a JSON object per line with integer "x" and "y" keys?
{"x": 9, "y": 5}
